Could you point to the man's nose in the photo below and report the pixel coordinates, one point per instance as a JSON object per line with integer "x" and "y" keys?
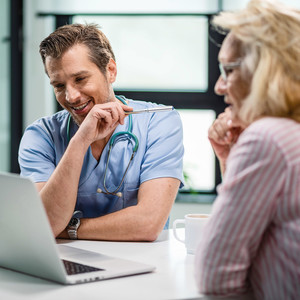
{"x": 72, "y": 94}
{"x": 220, "y": 86}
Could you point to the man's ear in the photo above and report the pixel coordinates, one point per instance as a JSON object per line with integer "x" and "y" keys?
{"x": 111, "y": 70}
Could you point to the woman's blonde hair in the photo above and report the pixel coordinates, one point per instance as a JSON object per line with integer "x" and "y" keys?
{"x": 270, "y": 36}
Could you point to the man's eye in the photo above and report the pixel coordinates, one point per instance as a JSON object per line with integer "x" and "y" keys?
{"x": 78, "y": 79}
{"x": 59, "y": 86}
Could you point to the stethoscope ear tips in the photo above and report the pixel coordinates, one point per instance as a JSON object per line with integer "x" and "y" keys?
{"x": 119, "y": 194}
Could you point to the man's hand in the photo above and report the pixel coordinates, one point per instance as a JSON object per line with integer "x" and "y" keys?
{"x": 101, "y": 121}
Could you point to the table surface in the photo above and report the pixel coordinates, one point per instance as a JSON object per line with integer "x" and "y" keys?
{"x": 172, "y": 279}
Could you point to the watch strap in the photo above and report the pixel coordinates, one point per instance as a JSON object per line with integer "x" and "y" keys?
{"x": 74, "y": 225}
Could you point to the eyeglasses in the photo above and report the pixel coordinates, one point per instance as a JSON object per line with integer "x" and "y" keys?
{"x": 227, "y": 68}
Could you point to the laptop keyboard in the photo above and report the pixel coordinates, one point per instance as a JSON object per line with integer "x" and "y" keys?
{"x": 74, "y": 268}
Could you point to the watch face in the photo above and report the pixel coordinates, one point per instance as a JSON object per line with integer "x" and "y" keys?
{"x": 74, "y": 222}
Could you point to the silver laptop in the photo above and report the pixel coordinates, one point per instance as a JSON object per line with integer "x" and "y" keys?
{"x": 27, "y": 244}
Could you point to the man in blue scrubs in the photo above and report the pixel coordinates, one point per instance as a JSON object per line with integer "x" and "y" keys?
{"x": 67, "y": 154}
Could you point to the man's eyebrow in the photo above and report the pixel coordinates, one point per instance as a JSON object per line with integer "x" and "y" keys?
{"x": 53, "y": 82}
{"x": 80, "y": 73}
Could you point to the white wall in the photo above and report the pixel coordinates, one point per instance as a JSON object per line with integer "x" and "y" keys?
{"x": 129, "y": 6}
{"x": 38, "y": 96}
{"x": 240, "y": 4}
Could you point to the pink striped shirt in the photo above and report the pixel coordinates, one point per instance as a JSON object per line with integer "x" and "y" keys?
{"x": 252, "y": 241}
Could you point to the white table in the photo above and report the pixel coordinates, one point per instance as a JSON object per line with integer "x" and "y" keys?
{"x": 172, "y": 279}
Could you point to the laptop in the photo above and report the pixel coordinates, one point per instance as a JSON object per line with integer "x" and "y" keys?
{"x": 27, "y": 243}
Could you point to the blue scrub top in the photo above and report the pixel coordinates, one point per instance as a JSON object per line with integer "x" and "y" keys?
{"x": 160, "y": 154}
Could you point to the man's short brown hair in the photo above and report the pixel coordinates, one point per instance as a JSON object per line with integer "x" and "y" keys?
{"x": 65, "y": 37}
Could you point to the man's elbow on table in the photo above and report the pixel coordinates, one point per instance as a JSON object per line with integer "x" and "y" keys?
{"x": 148, "y": 232}
{"x": 149, "y": 226}
{"x": 151, "y": 235}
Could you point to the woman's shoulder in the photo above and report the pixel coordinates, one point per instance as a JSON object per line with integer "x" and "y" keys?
{"x": 279, "y": 131}
{"x": 272, "y": 125}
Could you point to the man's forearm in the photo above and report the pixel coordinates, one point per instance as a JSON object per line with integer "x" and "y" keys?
{"x": 129, "y": 224}
{"x": 60, "y": 192}
{"x": 142, "y": 222}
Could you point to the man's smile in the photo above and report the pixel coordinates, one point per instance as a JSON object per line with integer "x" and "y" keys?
{"x": 81, "y": 108}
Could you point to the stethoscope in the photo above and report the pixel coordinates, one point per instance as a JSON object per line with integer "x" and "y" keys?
{"x": 113, "y": 140}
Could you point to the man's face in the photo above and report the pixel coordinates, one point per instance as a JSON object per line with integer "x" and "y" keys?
{"x": 78, "y": 83}
{"x": 234, "y": 89}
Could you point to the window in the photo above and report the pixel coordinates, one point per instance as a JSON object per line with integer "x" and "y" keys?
{"x": 154, "y": 53}
{"x": 169, "y": 58}
{"x": 165, "y": 59}
{"x": 199, "y": 161}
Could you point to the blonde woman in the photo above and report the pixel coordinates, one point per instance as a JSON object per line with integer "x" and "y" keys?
{"x": 252, "y": 241}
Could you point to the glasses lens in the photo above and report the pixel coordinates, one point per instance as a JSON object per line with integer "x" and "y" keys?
{"x": 222, "y": 71}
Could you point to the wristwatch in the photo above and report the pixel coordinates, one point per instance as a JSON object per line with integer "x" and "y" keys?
{"x": 74, "y": 225}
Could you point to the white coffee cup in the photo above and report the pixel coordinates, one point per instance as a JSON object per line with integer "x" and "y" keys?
{"x": 194, "y": 224}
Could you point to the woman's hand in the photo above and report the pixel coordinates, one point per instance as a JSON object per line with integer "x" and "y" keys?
{"x": 222, "y": 136}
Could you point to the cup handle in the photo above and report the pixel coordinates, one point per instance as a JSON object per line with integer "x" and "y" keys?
{"x": 179, "y": 221}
